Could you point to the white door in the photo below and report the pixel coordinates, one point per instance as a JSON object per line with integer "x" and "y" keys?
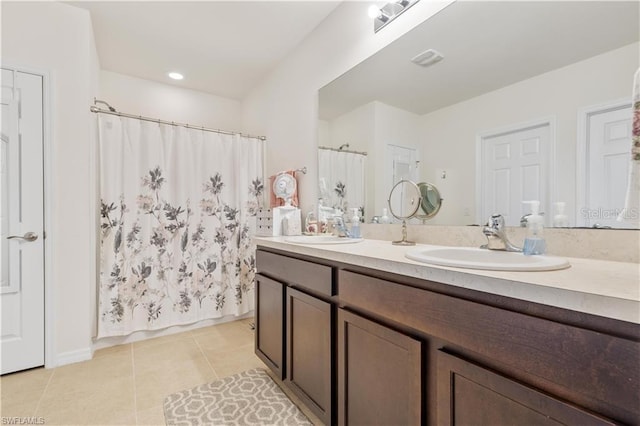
{"x": 401, "y": 164}
{"x": 514, "y": 167}
{"x": 22, "y": 222}
{"x": 608, "y": 152}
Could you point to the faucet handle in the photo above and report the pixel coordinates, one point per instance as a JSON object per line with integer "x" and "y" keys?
{"x": 496, "y": 221}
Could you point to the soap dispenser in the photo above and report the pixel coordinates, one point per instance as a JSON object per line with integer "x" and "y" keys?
{"x": 560, "y": 220}
{"x": 534, "y": 241}
{"x": 355, "y": 224}
{"x": 385, "y": 217}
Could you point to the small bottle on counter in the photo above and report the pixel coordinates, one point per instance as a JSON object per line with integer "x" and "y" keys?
{"x": 355, "y": 224}
{"x": 385, "y": 217}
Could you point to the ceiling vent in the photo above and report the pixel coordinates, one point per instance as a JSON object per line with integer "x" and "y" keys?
{"x": 427, "y": 58}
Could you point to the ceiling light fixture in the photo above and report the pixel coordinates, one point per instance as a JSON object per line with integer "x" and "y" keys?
{"x": 175, "y": 75}
{"x": 383, "y": 15}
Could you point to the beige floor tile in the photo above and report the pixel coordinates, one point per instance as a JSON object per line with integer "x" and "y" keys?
{"x": 171, "y": 338}
{"x": 166, "y": 356}
{"x": 25, "y": 408}
{"x": 154, "y": 385}
{"x": 151, "y": 417}
{"x": 85, "y": 376}
{"x": 109, "y": 402}
{"x": 225, "y": 338}
{"x": 113, "y": 350}
{"x": 25, "y": 386}
{"x": 232, "y": 361}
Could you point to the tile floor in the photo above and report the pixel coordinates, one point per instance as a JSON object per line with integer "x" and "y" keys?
{"x": 126, "y": 384}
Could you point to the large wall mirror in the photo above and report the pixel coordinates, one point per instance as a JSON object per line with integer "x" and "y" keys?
{"x": 510, "y": 101}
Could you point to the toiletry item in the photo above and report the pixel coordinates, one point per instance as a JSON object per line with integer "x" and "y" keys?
{"x": 385, "y": 217}
{"x": 311, "y": 223}
{"x": 534, "y": 241}
{"x": 355, "y": 224}
{"x": 560, "y": 220}
{"x": 279, "y": 213}
{"x": 291, "y": 223}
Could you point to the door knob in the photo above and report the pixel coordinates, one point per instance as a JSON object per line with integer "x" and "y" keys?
{"x": 29, "y": 236}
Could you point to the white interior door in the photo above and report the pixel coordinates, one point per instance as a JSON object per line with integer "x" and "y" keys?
{"x": 401, "y": 164}
{"x": 22, "y": 222}
{"x": 514, "y": 167}
{"x": 608, "y": 155}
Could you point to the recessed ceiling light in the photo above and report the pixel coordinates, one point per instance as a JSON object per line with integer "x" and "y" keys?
{"x": 176, "y": 75}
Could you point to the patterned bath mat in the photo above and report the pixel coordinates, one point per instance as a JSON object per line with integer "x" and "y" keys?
{"x": 248, "y": 398}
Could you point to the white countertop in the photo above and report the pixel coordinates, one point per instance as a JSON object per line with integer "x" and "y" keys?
{"x": 598, "y": 287}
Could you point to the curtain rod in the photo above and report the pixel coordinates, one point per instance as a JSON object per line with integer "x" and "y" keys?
{"x": 342, "y": 150}
{"x": 95, "y": 109}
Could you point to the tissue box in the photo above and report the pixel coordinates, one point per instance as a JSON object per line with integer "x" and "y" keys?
{"x": 264, "y": 223}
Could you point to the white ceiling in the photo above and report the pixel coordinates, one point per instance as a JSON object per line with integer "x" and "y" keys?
{"x": 486, "y": 45}
{"x": 222, "y": 47}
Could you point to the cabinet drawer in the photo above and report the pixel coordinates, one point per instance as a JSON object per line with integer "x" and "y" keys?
{"x": 469, "y": 394}
{"x": 296, "y": 273}
{"x": 591, "y": 369}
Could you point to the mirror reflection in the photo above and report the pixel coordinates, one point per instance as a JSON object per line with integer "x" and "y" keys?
{"x": 431, "y": 201}
{"x": 530, "y": 101}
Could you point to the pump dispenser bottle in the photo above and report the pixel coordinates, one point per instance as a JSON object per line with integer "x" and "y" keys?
{"x": 560, "y": 220}
{"x": 534, "y": 241}
{"x": 355, "y": 224}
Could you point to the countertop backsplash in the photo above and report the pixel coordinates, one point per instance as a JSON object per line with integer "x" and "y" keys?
{"x": 620, "y": 245}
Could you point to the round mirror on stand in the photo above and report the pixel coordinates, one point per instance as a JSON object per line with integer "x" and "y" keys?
{"x": 431, "y": 201}
{"x": 404, "y": 202}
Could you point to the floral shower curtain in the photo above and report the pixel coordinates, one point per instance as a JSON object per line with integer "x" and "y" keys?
{"x": 176, "y": 210}
{"x": 342, "y": 180}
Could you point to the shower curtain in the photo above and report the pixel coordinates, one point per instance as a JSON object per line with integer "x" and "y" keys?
{"x": 341, "y": 179}
{"x": 176, "y": 210}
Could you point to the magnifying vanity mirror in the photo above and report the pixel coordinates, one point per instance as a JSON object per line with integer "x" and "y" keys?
{"x": 405, "y": 200}
{"x": 431, "y": 201}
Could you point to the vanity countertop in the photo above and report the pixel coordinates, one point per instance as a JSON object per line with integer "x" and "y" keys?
{"x": 598, "y": 287}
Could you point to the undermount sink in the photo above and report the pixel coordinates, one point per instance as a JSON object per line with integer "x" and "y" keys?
{"x": 476, "y": 258}
{"x": 321, "y": 239}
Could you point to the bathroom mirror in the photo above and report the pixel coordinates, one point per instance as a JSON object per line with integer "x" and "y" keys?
{"x": 431, "y": 201}
{"x": 404, "y": 201}
{"x": 518, "y": 80}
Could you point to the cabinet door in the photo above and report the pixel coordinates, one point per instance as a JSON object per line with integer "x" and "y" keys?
{"x": 379, "y": 374}
{"x": 309, "y": 352}
{"x": 471, "y": 395}
{"x": 269, "y": 346}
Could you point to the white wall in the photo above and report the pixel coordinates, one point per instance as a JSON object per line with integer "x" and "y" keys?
{"x": 284, "y": 107}
{"x": 168, "y": 102}
{"x": 57, "y": 38}
{"x": 449, "y": 134}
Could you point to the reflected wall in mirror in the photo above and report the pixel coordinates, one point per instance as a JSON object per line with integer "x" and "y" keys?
{"x": 531, "y": 101}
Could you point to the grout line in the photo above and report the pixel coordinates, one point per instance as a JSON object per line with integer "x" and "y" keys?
{"x": 135, "y": 389}
{"x": 205, "y": 357}
{"x": 44, "y": 391}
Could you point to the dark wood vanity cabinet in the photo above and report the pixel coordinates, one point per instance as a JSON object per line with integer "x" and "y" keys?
{"x": 379, "y": 374}
{"x": 371, "y": 347}
{"x": 305, "y": 316}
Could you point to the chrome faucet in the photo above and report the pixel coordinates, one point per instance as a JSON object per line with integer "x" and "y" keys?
{"x": 337, "y": 227}
{"x": 496, "y": 235}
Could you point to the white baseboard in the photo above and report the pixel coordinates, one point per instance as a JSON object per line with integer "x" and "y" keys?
{"x": 72, "y": 357}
